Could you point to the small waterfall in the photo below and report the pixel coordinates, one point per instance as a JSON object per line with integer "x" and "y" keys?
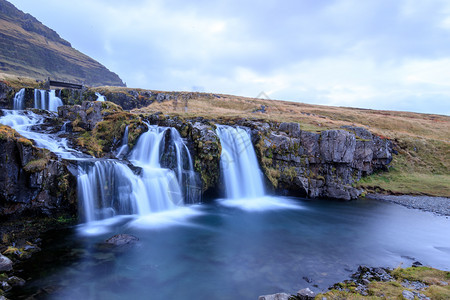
{"x": 46, "y": 100}
{"x": 23, "y": 122}
{"x": 54, "y": 102}
{"x": 19, "y": 100}
{"x": 42, "y": 100}
{"x": 239, "y": 165}
{"x": 105, "y": 189}
{"x": 100, "y": 97}
{"x": 109, "y": 187}
{"x": 162, "y": 147}
{"x": 124, "y": 147}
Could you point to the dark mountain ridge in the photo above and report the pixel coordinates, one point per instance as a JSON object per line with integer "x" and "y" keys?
{"x": 29, "y": 48}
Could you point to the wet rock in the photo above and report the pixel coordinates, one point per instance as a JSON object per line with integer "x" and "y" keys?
{"x": 32, "y": 180}
{"x": 306, "y": 294}
{"x": 16, "y": 281}
{"x": 278, "y": 296}
{"x": 120, "y": 240}
{"x": 307, "y": 279}
{"x": 416, "y": 264}
{"x": 5, "y": 263}
{"x": 5, "y": 286}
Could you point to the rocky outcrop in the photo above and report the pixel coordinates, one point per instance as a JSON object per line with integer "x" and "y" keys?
{"x": 325, "y": 164}
{"x": 6, "y": 93}
{"x": 33, "y": 180}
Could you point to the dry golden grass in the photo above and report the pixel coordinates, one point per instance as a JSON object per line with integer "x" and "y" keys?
{"x": 19, "y": 81}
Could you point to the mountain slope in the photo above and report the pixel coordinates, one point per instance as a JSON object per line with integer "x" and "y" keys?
{"x": 29, "y": 48}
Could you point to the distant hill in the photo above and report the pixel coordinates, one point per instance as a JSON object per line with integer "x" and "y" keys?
{"x": 29, "y": 48}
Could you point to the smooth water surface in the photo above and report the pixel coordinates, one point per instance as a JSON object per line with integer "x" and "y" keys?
{"x": 232, "y": 251}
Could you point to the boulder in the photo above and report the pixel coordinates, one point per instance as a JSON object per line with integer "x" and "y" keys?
{"x": 119, "y": 240}
{"x": 306, "y": 294}
{"x": 16, "y": 281}
{"x": 5, "y": 264}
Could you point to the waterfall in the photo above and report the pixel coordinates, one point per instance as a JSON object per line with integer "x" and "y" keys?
{"x": 238, "y": 163}
{"x": 19, "y": 100}
{"x": 43, "y": 99}
{"x": 46, "y": 100}
{"x": 100, "y": 97}
{"x": 161, "y": 178}
{"x": 158, "y": 177}
{"x": 124, "y": 147}
{"x": 163, "y": 148}
{"x": 105, "y": 189}
{"x": 24, "y": 121}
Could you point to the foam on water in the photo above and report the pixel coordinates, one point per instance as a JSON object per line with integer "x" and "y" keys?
{"x": 261, "y": 203}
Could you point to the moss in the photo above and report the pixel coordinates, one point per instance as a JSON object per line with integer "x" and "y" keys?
{"x": 25, "y": 142}
{"x": 109, "y": 131}
{"x": 37, "y": 165}
{"x": 63, "y": 183}
{"x": 7, "y": 133}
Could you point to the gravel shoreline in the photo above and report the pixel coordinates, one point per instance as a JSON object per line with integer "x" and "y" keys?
{"x": 437, "y": 205}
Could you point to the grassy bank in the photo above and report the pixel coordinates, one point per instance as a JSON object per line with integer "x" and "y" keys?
{"x": 435, "y": 283}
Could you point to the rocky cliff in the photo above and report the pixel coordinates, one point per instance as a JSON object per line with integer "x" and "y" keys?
{"x": 319, "y": 165}
{"x": 294, "y": 161}
{"x": 33, "y": 181}
{"x": 29, "y": 48}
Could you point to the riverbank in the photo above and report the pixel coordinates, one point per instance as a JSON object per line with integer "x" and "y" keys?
{"x": 416, "y": 282}
{"x": 437, "y": 205}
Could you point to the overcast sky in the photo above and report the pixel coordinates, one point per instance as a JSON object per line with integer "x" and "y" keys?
{"x": 380, "y": 54}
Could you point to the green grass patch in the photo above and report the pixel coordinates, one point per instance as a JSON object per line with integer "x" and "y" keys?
{"x": 425, "y": 274}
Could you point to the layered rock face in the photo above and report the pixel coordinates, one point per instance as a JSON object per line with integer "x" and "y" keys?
{"x": 32, "y": 180}
{"x": 320, "y": 165}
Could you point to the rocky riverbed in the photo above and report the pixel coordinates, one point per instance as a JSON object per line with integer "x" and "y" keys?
{"x": 437, "y": 205}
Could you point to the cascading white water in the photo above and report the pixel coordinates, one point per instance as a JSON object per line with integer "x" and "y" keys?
{"x": 19, "y": 99}
{"x": 46, "y": 100}
{"x": 124, "y": 147}
{"x": 108, "y": 187}
{"x": 24, "y": 121}
{"x": 239, "y": 165}
{"x": 100, "y": 97}
{"x": 105, "y": 188}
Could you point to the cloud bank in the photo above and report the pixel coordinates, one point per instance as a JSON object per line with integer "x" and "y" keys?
{"x": 378, "y": 54}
